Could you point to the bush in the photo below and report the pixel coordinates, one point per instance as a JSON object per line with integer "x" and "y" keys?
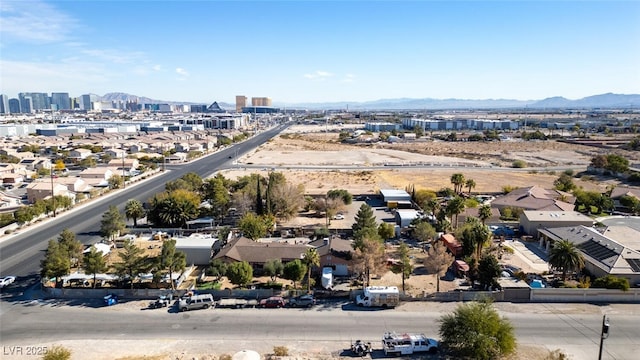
{"x": 57, "y": 353}
{"x": 611, "y": 282}
{"x": 556, "y": 355}
{"x": 519, "y": 164}
{"x": 280, "y": 351}
{"x": 225, "y": 357}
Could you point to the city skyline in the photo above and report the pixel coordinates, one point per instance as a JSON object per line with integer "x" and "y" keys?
{"x": 295, "y": 52}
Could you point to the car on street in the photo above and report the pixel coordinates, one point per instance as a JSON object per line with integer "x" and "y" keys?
{"x": 272, "y": 302}
{"x": 302, "y": 301}
{"x": 338, "y": 217}
{"x": 7, "y": 280}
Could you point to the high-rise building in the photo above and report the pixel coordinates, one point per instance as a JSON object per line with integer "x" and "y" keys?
{"x": 86, "y": 101}
{"x": 241, "y": 101}
{"x": 4, "y": 104}
{"x": 32, "y": 102}
{"x": 260, "y": 101}
{"x": 14, "y": 106}
{"x": 61, "y": 101}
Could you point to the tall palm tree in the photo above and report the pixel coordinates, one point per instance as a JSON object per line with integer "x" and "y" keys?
{"x": 134, "y": 210}
{"x": 470, "y": 184}
{"x": 458, "y": 182}
{"x": 565, "y": 256}
{"x": 454, "y": 207}
{"x": 484, "y": 212}
{"x": 311, "y": 258}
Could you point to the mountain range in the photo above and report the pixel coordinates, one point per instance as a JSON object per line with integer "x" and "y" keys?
{"x": 608, "y": 100}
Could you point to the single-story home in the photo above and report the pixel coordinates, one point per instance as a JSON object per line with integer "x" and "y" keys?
{"x": 532, "y": 220}
{"x": 258, "y": 253}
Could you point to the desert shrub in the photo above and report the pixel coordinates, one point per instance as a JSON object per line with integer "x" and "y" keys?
{"x": 519, "y": 164}
{"x": 507, "y": 189}
{"x": 280, "y": 351}
{"x": 57, "y": 353}
{"x": 569, "y": 172}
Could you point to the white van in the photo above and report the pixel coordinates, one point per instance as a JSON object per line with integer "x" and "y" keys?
{"x": 194, "y": 302}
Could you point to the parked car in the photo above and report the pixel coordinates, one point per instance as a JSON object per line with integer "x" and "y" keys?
{"x": 302, "y": 301}
{"x": 272, "y": 302}
{"x": 193, "y": 302}
{"x": 7, "y": 280}
{"x": 338, "y": 217}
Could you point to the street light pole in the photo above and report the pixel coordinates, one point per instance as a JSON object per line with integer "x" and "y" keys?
{"x": 53, "y": 195}
{"x": 604, "y": 333}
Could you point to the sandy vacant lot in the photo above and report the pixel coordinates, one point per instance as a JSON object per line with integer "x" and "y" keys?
{"x": 438, "y": 160}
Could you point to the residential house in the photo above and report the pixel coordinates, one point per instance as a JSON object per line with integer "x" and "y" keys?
{"x": 127, "y": 163}
{"x": 603, "y": 255}
{"x": 536, "y": 198}
{"x": 79, "y": 154}
{"x": 116, "y": 153}
{"x": 532, "y": 220}
{"x": 621, "y": 191}
{"x": 75, "y": 184}
{"x": 98, "y": 176}
{"x": 40, "y": 190}
{"x": 258, "y": 253}
{"x": 8, "y": 201}
{"x": 336, "y": 253}
{"x": 138, "y": 147}
{"x": 36, "y": 164}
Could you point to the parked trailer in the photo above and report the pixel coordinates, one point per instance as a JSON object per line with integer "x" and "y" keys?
{"x": 236, "y": 303}
{"x": 407, "y": 344}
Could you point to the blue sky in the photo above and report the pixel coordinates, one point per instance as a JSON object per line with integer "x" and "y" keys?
{"x": 320, "y": 51}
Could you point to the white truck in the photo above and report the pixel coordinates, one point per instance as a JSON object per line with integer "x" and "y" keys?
{"x": 407, "y": 344}
{"x": 379, "y": 296}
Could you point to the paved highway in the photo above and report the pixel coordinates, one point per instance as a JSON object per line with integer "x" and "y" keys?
{"x": 20, "y": 254}
{"x": 333, "y": 323}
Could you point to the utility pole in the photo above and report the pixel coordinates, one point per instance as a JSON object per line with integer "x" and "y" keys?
{"x": 124, "y": 179}
{"x": 604, "y": 333}
{"x": 53, "y": 195}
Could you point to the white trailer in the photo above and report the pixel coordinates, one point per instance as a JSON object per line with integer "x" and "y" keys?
{"x": 407, "y": 344}
{"x": 382, "y": 296}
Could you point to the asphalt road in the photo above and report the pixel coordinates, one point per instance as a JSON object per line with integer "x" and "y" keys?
{"x": 20, "y": 254}
{"x": 37, "y": 322}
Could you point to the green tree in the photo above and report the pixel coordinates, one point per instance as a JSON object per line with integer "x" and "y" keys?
{"x": 476, "y": 331}
{"x": 72, "y": 246}
{"x": 342, "y": 194}
{"x": 56, "y": 262}
{"x": 259, "y": 204}
{"x": 419, "y": 131}
{"x": 294, "y": 271}
{"x": 172, "y": 260}
{"x": 438, "y": 260}
{"x": 488, "y": 271}
{"x": 565, "y": 256}
{"x": 424, "y": 231}
{"x": 132, "y": 261}
{"x": 115, "y": 181}
{"x": 470, "y": 184}
{"x": 252, "y": 226}
{"x": 611, "y": 282}
{"x": 365, "y": 223}
{"x": 273, "y": 268}
{"x": 311, "y": 259}
{"x": 215, "y": 191}
{"x": 564, "y": 183}
{"x": 484, "y": 213}
{"x": 94, "y": 263}
{"x": 240, "y": 273}
{"x": 617, "y": 163}
{"x": 217, "y": 268}
{"x": 134, "y": 210}
{"x": 174, "y": 209}
{"x": 386, "y": 230}
{"x": 474, "y": 236}
{"x": 458, "y": 182}
{"x": 454, "y": 208}
{"x": 112, "y": 223}
{"x": 25, "y": 214}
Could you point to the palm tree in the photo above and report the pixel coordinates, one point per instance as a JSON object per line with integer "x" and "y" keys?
{"x": 564, "y": 255}
{"x": 455, "y": 206}
{"x": 470, "y": 184}
{"x": 458, "y": 181}
{"x": 484, "y": 212}
{"x": 311, "y": 259}
{"x": 134, "y": 210}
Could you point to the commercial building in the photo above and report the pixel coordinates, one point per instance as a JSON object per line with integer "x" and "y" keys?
{"x": 241, "y": 101}
{"x": 60, "y": 101}
{"x": 260, "y": 101}
{"x": 4, "y": 104}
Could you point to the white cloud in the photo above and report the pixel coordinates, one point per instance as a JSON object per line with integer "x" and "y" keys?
{"x": 114, "y": 56}
{"x": 182, "y": 72}
{"x": 34, "y": 21}
{"x": 157, "y": 68}
{"x": 318, "y": 75}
